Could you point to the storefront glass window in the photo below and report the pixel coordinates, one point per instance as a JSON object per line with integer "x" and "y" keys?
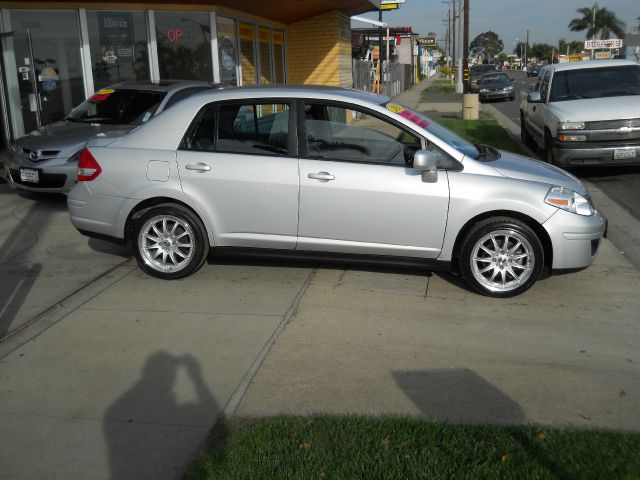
{"x": 46, "y": 51}
{"x": 278, "y": 56}
{"x": 118, "y": 42}
{"x": 248, "y": 53}
{"x": 264, "y": 35}
{"x": 227, "y": 50}
{"x": 184, "y": 45}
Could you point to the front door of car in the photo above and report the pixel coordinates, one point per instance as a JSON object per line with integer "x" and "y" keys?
{"x": 238, "y": 163}
{"x": 358, "y": 190}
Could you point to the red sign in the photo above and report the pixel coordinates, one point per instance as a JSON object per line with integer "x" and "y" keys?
{"x": 174, "y": 34}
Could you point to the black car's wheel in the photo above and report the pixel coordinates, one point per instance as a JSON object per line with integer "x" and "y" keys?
{"x": 170, "y": 242}
{"x": 501, "y": 257}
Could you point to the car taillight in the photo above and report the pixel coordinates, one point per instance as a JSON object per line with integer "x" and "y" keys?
{"x": 88, "y": 167}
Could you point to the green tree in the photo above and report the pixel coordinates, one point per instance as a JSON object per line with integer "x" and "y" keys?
{"x": 541, "y": 51}
{"x": 488, "y": 44}
{"x": 569, "y": 48}
{"x": 597, "y": 21}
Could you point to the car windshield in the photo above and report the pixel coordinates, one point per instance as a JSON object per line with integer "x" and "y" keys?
{"x": 121, "y": 107}
{"x": 497, "y": 77}
{"x": 595, "y": 83}
{"x": 444, "y": 134}
{"x": 480, "y": 69}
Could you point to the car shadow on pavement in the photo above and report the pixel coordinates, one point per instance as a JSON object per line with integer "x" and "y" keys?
{"x": 150, "y": 431}
{"x": 17, "y": 277}
{"x": 458, "y": 396}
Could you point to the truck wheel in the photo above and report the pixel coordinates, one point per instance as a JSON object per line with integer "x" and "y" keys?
{"x": 524, "y": 134}
{"x": 501, "y": 257}
{"x": 170, "y": 242}
{"x": 548, "y": 149}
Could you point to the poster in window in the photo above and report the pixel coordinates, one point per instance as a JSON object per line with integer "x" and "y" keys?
{"x": 116, "y": 36}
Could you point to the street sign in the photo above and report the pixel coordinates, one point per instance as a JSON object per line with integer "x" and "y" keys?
{"x": 389, "y": 6}
{"x": 428, "y": 41}
{"x": 610, "y": 43}
{"x": 575, "y": 58}
{"x": 601, "y": 55}
{"x": 387, "y": 2}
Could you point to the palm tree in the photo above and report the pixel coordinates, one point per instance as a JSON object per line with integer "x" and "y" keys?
{"x": 596, "y": 21}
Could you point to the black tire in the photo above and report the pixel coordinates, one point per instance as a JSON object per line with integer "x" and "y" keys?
{"x": 524, "y": 134}
{"x": 548, "y": 149}
{"x": 174, "y": 233}
{"x": 501, "y": 257}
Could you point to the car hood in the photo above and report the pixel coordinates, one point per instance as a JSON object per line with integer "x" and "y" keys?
{"x": 595, "y": 109}
{"x": 524, "y": 168}
{"x": 65, "y": 135}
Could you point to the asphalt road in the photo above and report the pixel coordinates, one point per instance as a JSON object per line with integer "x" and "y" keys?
{"x": 622, "y": 184}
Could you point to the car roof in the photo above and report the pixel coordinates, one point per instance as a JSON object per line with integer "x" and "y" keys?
{"x": 561, "y": 67}
{"x": 162, "y": 85}
{"x": 297, "y": 91}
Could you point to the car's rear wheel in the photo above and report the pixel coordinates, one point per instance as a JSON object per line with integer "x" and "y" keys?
{"x": 170, "y": 242}
{"x": 501, "y": 257}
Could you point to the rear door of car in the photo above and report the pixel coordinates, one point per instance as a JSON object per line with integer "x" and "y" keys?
{"x": 239, "y": 163}
{"x": 359, "y": 193}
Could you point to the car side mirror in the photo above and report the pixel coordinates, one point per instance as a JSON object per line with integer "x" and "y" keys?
{"x": 426, "y": 162}
{"x": 534, "y": 97}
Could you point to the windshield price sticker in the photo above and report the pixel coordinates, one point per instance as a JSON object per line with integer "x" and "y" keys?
{"x": 101, "y": 95}
{"x": 395, "y": 108}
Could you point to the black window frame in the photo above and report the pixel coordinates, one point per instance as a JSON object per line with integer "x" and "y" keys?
{"x": 292, "y": 140}
{"x": 182, "y": 94}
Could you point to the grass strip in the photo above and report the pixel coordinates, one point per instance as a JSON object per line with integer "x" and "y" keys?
{"x": 484, "y": 131}
{"x": 344, "y": 447}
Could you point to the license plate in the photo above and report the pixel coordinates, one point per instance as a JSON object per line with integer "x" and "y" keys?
{"x": 621, "y": 154}
{"x": 29, "y": 175}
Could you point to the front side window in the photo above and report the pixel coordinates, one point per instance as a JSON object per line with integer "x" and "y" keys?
{"x": 250, "y": 128}
{"x": 544, "y": 86}
{"x": 118, "y": 107}
{"x": 346, "y": 134}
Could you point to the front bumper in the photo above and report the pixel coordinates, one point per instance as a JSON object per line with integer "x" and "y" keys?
{"x": 497, "y": 95}
{"x": 54, "y": 175}
{"x": 575, "y": 239}
{"x": 577, "y": 154}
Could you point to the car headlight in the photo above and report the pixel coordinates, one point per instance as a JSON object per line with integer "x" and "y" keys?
{"x": 509, "y": 88}
{"x": 571, "y": 126}
{"x": 569, "y": 200}
{"x": 484, "y": 90}
{"x": 14, "y": 147}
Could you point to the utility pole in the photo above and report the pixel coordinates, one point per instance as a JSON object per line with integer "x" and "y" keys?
{"x": 453, "y": 35}
{"x": 459, "y": 85}
{"x": 465, "y": 55}
{"x": 525, "y": 50}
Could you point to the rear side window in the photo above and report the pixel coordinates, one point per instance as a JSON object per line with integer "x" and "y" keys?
{"x": 250, "y": 128}
{"x": 182, "y": 94}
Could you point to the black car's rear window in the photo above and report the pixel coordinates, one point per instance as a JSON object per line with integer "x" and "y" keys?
{"x": 124, "y": 107}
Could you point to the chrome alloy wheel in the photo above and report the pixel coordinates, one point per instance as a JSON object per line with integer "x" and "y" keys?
{"x": 502, "y": 260}
{"x": 166, "y": 243}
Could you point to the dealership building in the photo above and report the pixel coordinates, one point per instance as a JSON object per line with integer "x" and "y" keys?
{"x": 56, "y": 54}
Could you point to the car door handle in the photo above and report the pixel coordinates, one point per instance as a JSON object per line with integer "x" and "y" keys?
{"x": 198, "y": 167}
{"x": 322, "y": 176}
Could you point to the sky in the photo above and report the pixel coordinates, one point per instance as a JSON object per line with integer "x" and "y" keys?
{"x": 546, "y": 20}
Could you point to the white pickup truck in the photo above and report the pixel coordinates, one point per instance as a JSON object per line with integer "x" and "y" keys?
{"x": 584, "y": 113}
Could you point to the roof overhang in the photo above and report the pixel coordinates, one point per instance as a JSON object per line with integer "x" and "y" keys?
{"x": 282, "y": 11}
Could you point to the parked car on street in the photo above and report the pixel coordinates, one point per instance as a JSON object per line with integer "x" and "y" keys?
{"x": 496, "y": 86}
{"x": 45, "y": 160}
{"x": 584, "y": 113}
{"x": 329, "y": 173}
{"x": 476, "y": 72}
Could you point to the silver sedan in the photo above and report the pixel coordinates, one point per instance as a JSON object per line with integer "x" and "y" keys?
{"x": 46, "y": 160}
{"x": 326, "y": 173}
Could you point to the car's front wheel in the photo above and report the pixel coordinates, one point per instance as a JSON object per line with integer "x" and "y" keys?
{"x": 170, "y": 242}
{"x": 501, "y": 257}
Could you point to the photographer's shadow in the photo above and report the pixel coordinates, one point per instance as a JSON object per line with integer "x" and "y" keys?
{"x": 149, "y": 432}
